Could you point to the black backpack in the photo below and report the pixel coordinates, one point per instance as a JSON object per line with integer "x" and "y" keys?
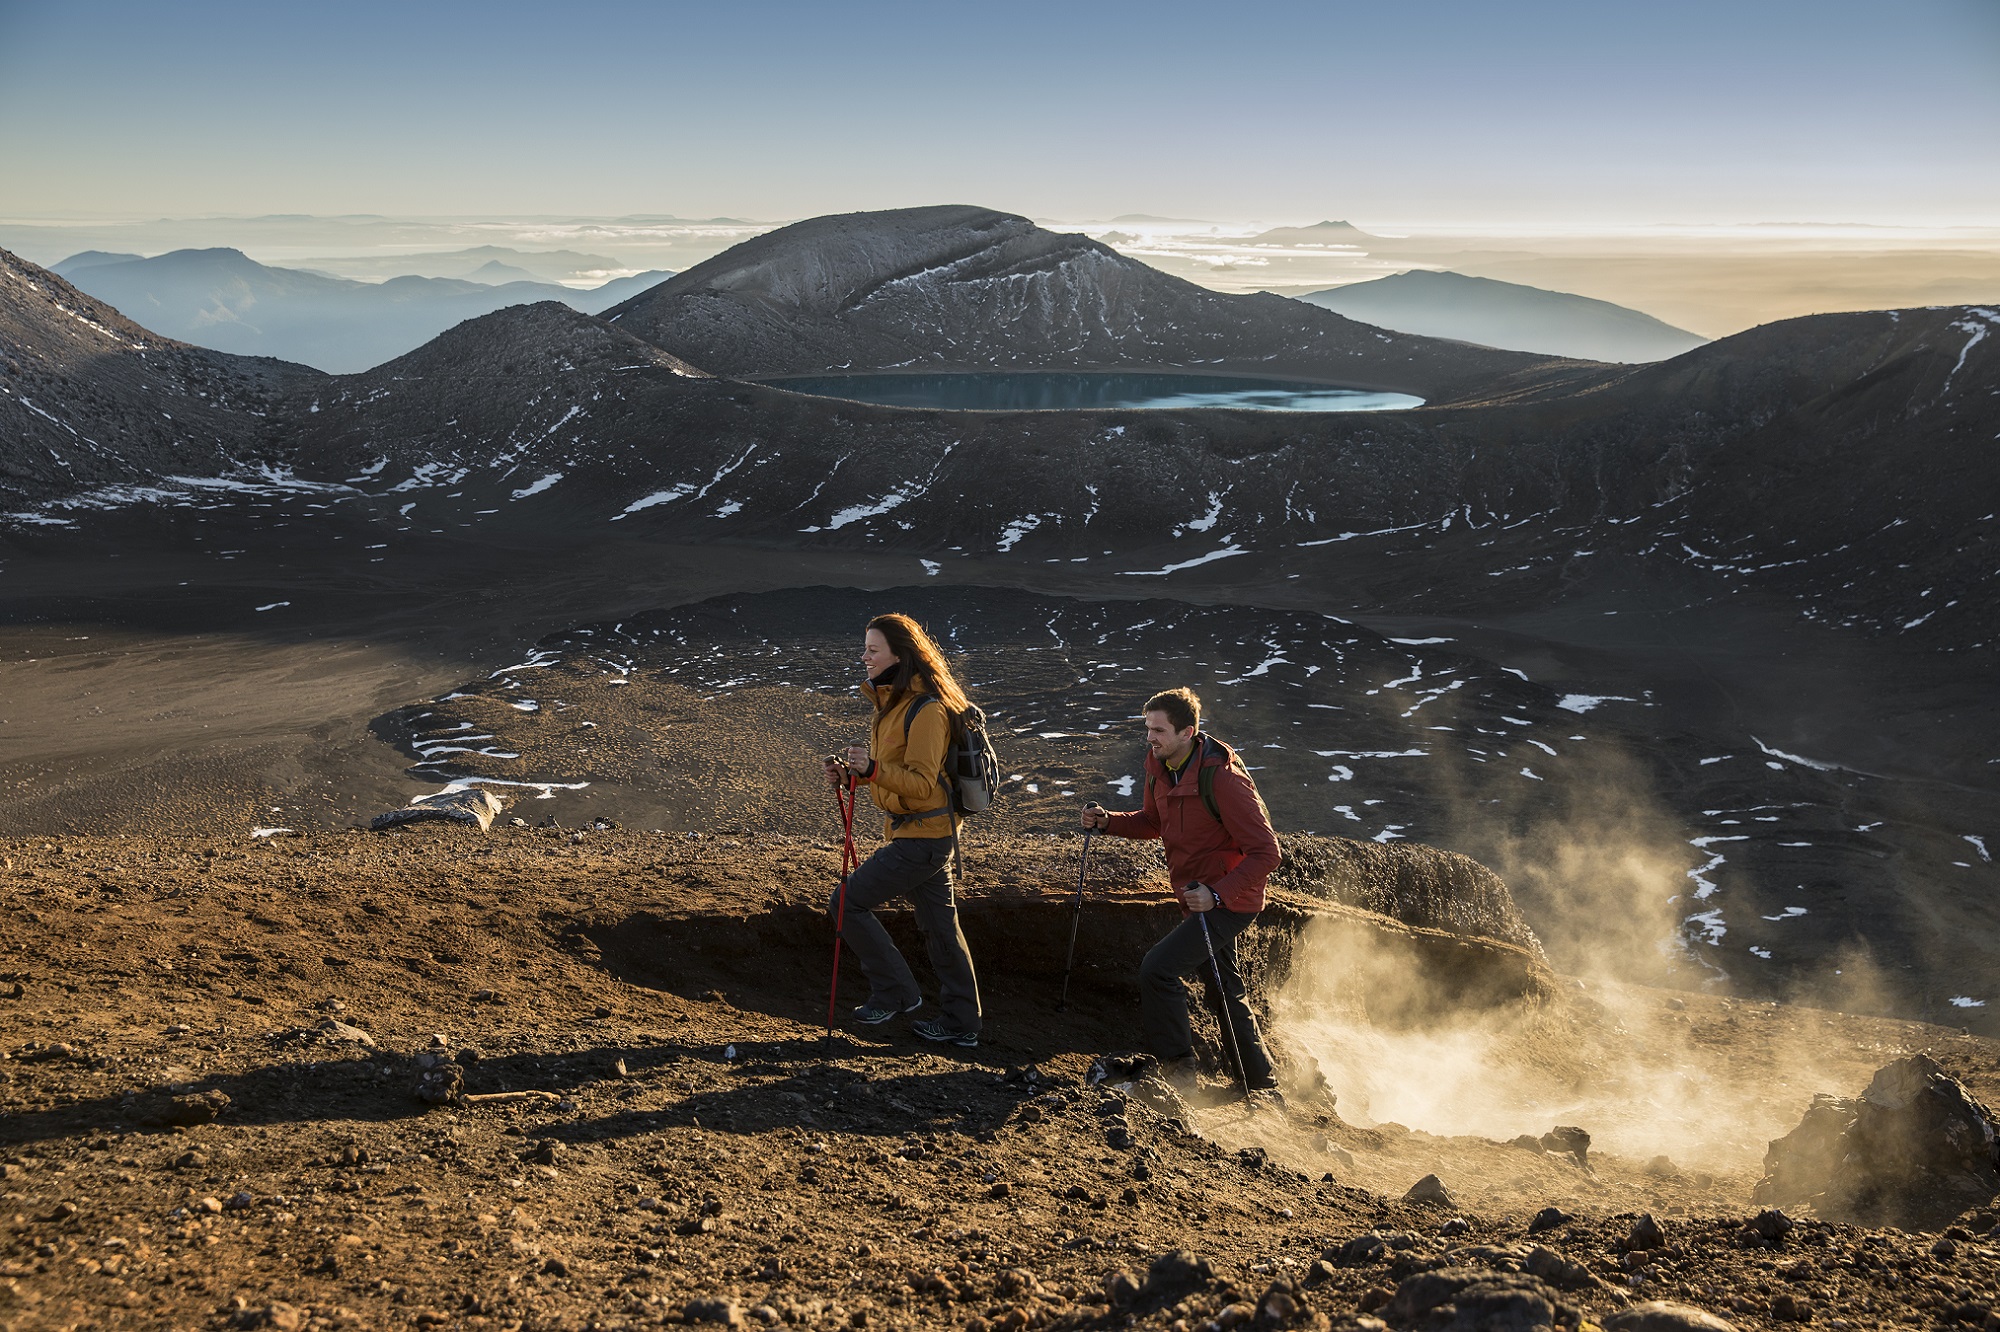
{"x": 970, "y": 765}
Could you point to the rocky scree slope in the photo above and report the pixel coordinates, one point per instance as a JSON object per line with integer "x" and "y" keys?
{"x": 87, "y": 397}
{"x": 970, "y": 288}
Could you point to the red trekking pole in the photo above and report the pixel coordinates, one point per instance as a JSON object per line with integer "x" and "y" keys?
{"x": 849, "y": 862}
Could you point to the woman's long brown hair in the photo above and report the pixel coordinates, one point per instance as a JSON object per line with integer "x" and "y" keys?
{"x": 916, "y": 654}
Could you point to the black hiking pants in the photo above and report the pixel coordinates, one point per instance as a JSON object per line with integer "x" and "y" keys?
{"x": 1163, "y": 1003}
{"x": 918, "y": 868}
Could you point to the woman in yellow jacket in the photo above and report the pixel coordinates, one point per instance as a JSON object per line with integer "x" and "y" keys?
{"x": 915, "y": 699}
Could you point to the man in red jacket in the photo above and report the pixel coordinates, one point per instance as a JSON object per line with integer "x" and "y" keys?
{"x": 1201, "y": 803}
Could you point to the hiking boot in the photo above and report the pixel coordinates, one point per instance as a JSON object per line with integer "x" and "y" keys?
{"x": 937, "y": 1030}
{"x": 876, "y": 1011}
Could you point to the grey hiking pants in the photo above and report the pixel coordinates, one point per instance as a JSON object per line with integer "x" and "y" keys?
{"x": 1163, "y": 1004}
{"x": 918, "y": 868}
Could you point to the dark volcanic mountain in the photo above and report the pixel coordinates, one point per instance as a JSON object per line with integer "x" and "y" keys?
{"x": 1507, "y": 314}
{"x": 89, "y": 398}
{"x": 963, "y": 288}
{"x": 1837, "y": 461}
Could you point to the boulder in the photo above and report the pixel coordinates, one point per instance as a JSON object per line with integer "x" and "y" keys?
{"x": 1568, "y": 1140}
{"x": 1663, "y": 1316}
{"x": 477, "y": 805}
{"x": 1912, "y": 1144}
{"x": 1463, "y": 1299}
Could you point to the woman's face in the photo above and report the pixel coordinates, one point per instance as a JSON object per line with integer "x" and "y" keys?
{"x": 875, "y": 654}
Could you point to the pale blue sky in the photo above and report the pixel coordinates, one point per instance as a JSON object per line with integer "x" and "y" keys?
{"x": 1443, "y": 112}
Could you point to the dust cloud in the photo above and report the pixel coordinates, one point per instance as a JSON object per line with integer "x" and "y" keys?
{"x": 1638, "y": 1044}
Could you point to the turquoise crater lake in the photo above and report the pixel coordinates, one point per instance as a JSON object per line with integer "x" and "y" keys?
{"x": 1078, "y": 390}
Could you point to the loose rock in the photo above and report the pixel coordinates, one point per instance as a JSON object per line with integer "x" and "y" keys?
{"x": 1664, "y": 1316}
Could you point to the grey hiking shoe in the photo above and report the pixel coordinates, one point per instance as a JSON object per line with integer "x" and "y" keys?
{"x": 875, "y": 1012}
{"x": 936, "y": 1030}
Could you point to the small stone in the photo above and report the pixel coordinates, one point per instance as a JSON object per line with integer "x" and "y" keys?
{"x": 1945, "y": 1249}
{"x": 1528, "y": 1142}
{"x": 1174, "y": 1274}
{"x": 1645, "y": 1234}
{"x": 190, "y": 1160}
{"x": 1361, "y": 1249}
{"x": 1000, "y": 1190}
{"x": 241, "y": 1201}
{"x": 1278, "y": 1306}
{"x": 707, "y": 1310}
{"x": 765, "y": 1314}
{"x": 1458, "y": 1225}
{"x": 63, "y": 1211}
{"x": 1548, "y": 1219}
{"x": 281, "y": 1316}
{"x": 555, "y": 1266}
{"x": 1429, "y": 1190}
{"x": 1234, "y": 1315}
{"x": 1568, "y": 1140}
{"x": 1664, "y": 1316}
{"x": 1557, "y": 1270}
{"x": 1663, "y": 1167}
{"x": 1788, "y": 1307}
{"x": 1121, "y": 1288}
{"x": 333, "y": 1029}
{"x": 212, "y": 1206}
{"x": 1770, "y": 1224}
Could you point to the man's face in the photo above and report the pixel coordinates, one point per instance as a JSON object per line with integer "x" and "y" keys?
{"x": 1166, "y": 743}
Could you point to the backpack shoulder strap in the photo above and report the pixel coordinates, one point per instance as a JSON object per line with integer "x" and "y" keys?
{"x": 910, "y": 713}
{"x": 1205, "y": 776}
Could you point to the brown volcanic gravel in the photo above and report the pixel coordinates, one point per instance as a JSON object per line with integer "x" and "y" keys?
{"x": 697, "y": 1143}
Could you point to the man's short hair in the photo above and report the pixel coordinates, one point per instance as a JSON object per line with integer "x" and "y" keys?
{"x": 1183, "y": 709}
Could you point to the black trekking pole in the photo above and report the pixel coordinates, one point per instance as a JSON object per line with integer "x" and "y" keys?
{"x": 1222, "y": 995}
{"x": 1076, "y": 919}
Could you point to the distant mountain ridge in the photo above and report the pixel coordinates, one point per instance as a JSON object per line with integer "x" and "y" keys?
{"x": 223, "y": 299}
{"x": 1319, "y": 233}
{"x": 960, "y": 287}
{"x": 1507, "y": 314}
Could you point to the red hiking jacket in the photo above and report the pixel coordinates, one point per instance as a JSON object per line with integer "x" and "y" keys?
{"x": 1234, "y": 855}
